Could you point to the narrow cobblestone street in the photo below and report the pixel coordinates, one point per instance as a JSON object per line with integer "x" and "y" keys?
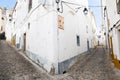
{"x": 13, "y": 66}
{"x": 94, "y": 66}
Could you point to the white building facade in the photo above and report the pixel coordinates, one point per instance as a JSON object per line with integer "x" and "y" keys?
{"x": 8, "y": 26}
{"x": 2, "y": 20}
{"x": 94, "y": 30}
{"x": 111, "y": 16}
{"x": 53, "y": 33}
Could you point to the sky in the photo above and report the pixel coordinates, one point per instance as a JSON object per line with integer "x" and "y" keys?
{"x": 96, "y": 11}
{"x": 7, "y": 3}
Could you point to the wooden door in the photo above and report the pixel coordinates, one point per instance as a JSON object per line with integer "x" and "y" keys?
{"x": 111, "y": 45}
{"x": 24, "y": 47}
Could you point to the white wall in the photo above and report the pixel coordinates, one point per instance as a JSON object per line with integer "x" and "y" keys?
{"x": 2, "y": 20}
{"x": 41, "y": 36}
{"x": 114, "y": 17}
{"x": 105, "y": 21}
{"x": 94, "y": 29}
{"x": 45, "y": 42}
{"x": 67, "y": 38}
{"x": 8, "y": 28}
{"x": 74, "y": 24}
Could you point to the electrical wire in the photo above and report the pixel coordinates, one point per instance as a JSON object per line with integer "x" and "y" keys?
{"x": 71, "y": 3}
{"x": 65, "y": 2}
{"x": 68, "y": 6}
{"x": 96, "y": 6}
{"x": 44, "y": 3}
{"x": 30, "y": 13}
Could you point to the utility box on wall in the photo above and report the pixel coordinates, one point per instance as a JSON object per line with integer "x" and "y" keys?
{"x": 60, "y": 22}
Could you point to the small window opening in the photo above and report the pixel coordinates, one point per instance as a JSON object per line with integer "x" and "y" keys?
{"x": 78, "y": 40}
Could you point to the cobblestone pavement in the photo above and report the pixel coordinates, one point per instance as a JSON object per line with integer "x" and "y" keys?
{"x": 13, "y": 66}
{"x": 95, "y": 66}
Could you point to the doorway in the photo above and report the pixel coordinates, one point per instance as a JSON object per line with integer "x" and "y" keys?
{"x": 13, "y": 41}
{"x": 111, "y": 45}
{"x": 88, "y": 46}
{"x": 24, "y": 42}
{"x": 111, "y": 48}
{"x": 119, "y": 40}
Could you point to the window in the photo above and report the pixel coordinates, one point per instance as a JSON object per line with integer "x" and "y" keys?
{"x": 14, "y": 24}
{"x": 118, "y": 6}
{"x": 28, "y": 25}
{"x": 10, "y": 19}
{"x": 1, "y": 28}
{"x": 78, "y": 40}
{"x": 2, "y": 18}
{"x": 30, "y": 5}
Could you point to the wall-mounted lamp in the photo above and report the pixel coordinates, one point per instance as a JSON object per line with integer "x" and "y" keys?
{"x": 111, "y": 29}
{"x": 57, "y": 1}
{"x": 85, "y": 11}
{"x": 104, "y": 8}
{"x": 114, "y": 25}
{"x": 105, "y": 33}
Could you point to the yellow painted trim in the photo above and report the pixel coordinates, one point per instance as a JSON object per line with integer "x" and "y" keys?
{"x": 115, "y": 61}
{"x": 95, "y": 46}
{"x": 13, "y": 40}
{"x": 117, "y": 64}
{"x": 118, "y": 25}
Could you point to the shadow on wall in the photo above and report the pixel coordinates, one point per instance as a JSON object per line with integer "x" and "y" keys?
{"x": 2, "y": 36}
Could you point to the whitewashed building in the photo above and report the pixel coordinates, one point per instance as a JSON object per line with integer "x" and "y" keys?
{"x": 2, "y": 20}
{"x": 100, "y": 38}
{"x": 94, "y": 30}
{"x": 53, "y": 33}
{"x": 8, "y": 26}
{"x": 111, "y": 19}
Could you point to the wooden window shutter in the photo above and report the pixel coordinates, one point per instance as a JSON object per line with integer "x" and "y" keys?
{"x": 60, "y": 22}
